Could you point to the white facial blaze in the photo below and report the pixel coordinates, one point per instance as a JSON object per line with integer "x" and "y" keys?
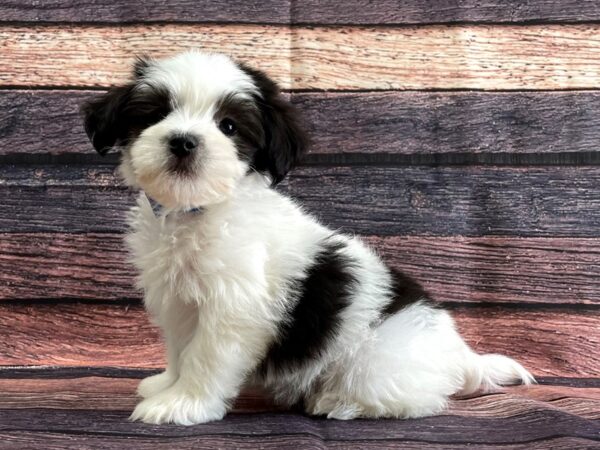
{"x": 196, "y": 83}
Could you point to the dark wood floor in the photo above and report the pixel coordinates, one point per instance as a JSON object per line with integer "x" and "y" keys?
{"x": 78, "y": 411}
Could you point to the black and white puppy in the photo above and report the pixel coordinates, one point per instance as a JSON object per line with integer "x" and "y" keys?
{"x": 245, "y": 285}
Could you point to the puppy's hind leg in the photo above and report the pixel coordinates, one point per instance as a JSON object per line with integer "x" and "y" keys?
{"x": 415, "y": 363}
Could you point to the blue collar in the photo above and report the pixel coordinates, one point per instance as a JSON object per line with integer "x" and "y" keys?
{"x": 158, "y": 208}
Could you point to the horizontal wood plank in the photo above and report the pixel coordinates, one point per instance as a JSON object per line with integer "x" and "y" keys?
{"x": 293, "y": 11}
{"x": 442, "y": 201}
{"x": 65, "y": 266}
{"x": 498, "y": 269}
{"x": 63, "y": 440}
{"x": 127, "y": 11}
{"x": 281, "y": 441}
{"x": 442, "y": 11}
{"x": 69, "y": 55}
{"x": 447, "y": 430}
{"x": 558, "y": 343}
{"x": 457, "y": 269}
{"x": 468, "y": 201}
{"x": 118, "y": 394}
{"x": 390, "y": 123}
{"x": 433, "y": 57}
{"x": 452, "y": 122}
{"x": 442, "y": 57}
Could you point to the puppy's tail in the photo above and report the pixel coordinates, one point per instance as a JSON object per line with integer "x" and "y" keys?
{"x": 488, "y": 372}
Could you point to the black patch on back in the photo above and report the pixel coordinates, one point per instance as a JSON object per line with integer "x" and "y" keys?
{"x": 315, "y": 318}
{"x": 405, "y": 291}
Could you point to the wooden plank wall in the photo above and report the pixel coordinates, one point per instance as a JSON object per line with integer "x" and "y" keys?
{"x": 459, "y": 137}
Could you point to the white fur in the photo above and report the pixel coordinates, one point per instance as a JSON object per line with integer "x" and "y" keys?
{"x": 218, "y": 284}
{"x": 196, "y": 82}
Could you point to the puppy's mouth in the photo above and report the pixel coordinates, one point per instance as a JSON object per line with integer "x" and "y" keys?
{"x": 183, "y": 166}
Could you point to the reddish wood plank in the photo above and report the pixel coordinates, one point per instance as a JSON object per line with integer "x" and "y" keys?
{"x": 110, "y": 394}
{"x": 436, "y": 57}
{"x": 118, "y": 394}
{"x": 59, "y": 266}
{"x": 60, "y": 55}
{"x": 547, "y": 342}
{"x": 534, "y": 201}
{"x": 498, "y": 269}
{"x": 458, "y": 269}
{"x": 311, "y": 11}
{"x": 79, "y": 335}
{"x": 373, "y": 123}
{"x": 518, "y": 400}
{"x": 557, "y": 342}
{"x": 349, "y": 58}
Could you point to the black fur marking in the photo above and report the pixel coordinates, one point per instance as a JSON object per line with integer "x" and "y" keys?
{"x": 246, "y": 116}
{"x": 405, "y": 292}
{"x": 315, "y": 318}
{"x": 120, "y": 115}
{"x": 285, "y": 139}
{"x": 141, "y": 64}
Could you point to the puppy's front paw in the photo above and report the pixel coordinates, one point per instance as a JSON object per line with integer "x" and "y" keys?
{"x": 155, "y": 384}
{"x": 174, "y": 406}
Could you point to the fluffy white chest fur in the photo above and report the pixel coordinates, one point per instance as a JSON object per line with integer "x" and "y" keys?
{"x": 251, "y": 289}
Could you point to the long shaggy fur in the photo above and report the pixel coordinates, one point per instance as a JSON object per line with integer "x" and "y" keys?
{"x": 245, "y": 285}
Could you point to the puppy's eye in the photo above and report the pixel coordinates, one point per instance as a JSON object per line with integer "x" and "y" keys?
{"x": 227, "y": 127}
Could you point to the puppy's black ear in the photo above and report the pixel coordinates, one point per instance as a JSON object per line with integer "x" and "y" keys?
{"x": 103, "y": 115}
{"x": 285, "y": 140}
{"x": 102, "y": 118}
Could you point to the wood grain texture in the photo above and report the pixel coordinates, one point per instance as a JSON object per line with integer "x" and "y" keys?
{"x": 100, "y": 56}
{"x": 65, "y": 266}
{"x": 517, "y": 400}
{"x": 498, "y": 269}
{"x": 432, "y": 57}
{"x": 538, "y": 426}
{"x": 558, "y": 342}
{"x": 467, "y": 201}
{"x": 442, "y": 11}
{"x": 294, "y": 11}
{"x": 282, "y": 441}
{"x": 390, "y": 123}
{"x": 127, "y": 11}
{"x": 473, "y": 57}
{"x": 79, "y": 334}
{"x": 118, "y": 394}
{"x": 451, "y": 122}
{"x": 442, "y": 201}
{"x": 457, "y": 269}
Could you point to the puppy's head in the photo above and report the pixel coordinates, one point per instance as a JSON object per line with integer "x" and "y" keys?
{"x": 192, "y": 126}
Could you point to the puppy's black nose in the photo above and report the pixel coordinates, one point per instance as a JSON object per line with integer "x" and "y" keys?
{"x": 183, "y": 145}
